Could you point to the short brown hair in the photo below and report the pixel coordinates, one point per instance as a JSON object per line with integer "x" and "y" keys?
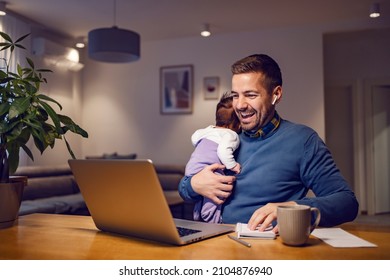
{"x": 260, "y": 63}
{"x": 225, "y": 115}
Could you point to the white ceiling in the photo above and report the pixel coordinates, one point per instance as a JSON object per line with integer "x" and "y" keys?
{"x": 168, "y": 19}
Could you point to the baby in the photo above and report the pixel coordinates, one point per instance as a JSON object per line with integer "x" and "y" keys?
{"x": 215, "y": 144}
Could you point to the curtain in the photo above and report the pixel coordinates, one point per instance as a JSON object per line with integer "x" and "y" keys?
{"x": 15, "y": 28}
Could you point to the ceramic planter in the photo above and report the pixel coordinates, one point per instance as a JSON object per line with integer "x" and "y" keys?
{"x": 10, "y": 199}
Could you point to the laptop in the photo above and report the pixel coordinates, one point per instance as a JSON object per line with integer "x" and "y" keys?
{"x": 125, "y": 197}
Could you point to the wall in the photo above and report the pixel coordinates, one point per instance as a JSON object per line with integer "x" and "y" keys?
{"x": 121, "y": 102}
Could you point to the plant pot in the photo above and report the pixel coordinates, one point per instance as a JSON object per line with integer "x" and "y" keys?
{"x": 10, "y": 198}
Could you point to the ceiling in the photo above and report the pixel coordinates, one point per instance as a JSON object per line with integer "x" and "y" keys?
{"x": 170, "y": 19}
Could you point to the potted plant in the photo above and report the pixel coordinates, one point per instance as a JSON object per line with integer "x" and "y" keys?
{"x": 24, "y": 113}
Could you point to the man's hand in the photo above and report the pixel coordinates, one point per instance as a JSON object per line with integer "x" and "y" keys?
{"x": 265, "y": 215}
{"x": 213, "y": 186}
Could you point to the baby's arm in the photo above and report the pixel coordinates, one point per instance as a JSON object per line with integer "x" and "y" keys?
{"x": 228, "y": 144}
{"x": 236, "y": 169}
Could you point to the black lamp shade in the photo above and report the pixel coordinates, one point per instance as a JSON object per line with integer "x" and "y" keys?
{"x": 113, "y": 45}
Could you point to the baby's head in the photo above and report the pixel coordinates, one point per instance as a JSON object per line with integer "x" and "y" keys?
{"x": 225, "y": 115}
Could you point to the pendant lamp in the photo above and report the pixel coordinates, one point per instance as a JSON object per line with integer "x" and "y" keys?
{"x": 113, "y": 44}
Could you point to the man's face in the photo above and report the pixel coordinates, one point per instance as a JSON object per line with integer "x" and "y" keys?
{"x": 251, "y": 101}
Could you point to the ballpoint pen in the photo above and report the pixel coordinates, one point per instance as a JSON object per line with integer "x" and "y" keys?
{"x": 240, "y": 241}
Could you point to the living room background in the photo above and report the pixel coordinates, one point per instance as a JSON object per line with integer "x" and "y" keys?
{"x": 119, "y": 104}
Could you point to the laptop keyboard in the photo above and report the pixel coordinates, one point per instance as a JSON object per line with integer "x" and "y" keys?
{"x": 186, "y": 231}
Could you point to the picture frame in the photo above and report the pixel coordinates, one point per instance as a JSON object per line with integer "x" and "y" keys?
{"x": 176, "y": 89}
{"x": 211, "y": 87}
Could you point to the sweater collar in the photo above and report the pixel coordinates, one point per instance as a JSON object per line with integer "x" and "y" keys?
{"x": 271, "y": 126}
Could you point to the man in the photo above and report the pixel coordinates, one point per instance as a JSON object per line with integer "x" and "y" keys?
{"x": 280, "y": 161}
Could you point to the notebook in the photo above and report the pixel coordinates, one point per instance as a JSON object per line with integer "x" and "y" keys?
{"x": 125, "y": 197}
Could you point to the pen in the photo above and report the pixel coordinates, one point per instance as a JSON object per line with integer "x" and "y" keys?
{"x": 240, "y": 241}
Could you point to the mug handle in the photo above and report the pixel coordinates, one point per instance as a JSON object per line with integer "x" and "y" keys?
{"x": 318, "y": 218}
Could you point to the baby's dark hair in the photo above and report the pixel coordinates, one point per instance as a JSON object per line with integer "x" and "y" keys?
{"x": 225, "y": 115}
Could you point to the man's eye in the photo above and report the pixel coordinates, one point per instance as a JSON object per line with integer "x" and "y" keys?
{"x": 251, "y": 96}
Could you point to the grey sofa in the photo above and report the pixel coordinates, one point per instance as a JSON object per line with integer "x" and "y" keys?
{"x": 53, "y": 189}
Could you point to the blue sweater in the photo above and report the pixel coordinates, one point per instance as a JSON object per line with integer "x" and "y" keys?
{"x": 281, "y": 167}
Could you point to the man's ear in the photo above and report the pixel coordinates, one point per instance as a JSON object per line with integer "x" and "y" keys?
{"x": 277, "y": 95}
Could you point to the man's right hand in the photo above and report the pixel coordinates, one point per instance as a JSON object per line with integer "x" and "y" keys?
{"x": 211, "y": 185}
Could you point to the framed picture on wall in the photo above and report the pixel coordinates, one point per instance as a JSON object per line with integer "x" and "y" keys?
{"x": 211, "y": 87}
{"x": 176, "y": 89}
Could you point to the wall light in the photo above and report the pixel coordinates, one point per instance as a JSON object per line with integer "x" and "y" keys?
{"x": 3, "y": 11}
{"x": 375, "y": 10}
{"x": 206, "y": 30}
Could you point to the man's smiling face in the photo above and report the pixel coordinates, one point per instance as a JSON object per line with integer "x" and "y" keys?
{"x": 251, "y": 101}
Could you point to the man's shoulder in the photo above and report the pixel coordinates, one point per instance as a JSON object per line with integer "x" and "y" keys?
{"x": 296, "y": 128}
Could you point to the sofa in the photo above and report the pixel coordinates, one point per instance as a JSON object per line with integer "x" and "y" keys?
{"x": 53, "y": 189}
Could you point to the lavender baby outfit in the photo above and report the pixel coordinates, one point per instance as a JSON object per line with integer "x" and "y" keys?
{"x": 212, "y": 145}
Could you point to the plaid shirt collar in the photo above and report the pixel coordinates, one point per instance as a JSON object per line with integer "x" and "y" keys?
{"x": 267, "y": 129}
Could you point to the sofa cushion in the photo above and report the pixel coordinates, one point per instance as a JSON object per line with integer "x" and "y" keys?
{"x": 69, "y": 204}
{"x": 47, "y": 181}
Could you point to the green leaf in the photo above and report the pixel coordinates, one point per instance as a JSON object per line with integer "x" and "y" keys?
{"x": 6, "y": 37}
{"x": 44, "y": 70}
{"x": 20, "y": 46}
{"x": 4, "y": 107}
{"x": 53, "y": 115}
{"x": 21, "y": 38}
{"x": 19, "y": 106}
{"x": 30, "y": 62}
{"x": 13, "y": 156}
{"x": 39, "y": 140}
{"x": 28, "y": 152}
{"x": 72, "y": 126}
{"x": 16, "y": 131}
{"x": 47, "y": 98}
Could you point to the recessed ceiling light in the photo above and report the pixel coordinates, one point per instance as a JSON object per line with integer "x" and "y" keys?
{"x": 375, "y": 10}
{"x": 206, "y": 30}
{"x": 3, "y": 11}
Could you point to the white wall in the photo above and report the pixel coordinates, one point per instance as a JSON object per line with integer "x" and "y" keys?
{"x": 121, "y": 102}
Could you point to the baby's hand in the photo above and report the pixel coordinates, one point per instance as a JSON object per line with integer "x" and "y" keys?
{"x": 236, "y": 168}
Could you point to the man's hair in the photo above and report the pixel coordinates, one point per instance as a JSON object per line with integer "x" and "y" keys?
{"x": 225, "y": 115}
{"x": 260, "y": 63}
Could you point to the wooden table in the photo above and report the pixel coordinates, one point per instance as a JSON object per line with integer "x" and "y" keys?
{"x": 48, "y": 236}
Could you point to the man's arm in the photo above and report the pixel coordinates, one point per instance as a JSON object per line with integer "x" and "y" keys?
{"x": 207, "y": 184}
{"x": 333, "y": 195}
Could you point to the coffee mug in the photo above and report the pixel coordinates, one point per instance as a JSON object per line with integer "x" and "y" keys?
{"x": 294, "y": 223}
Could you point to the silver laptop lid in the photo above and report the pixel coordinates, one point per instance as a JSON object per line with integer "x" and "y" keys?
{"x": 125, "y": 197}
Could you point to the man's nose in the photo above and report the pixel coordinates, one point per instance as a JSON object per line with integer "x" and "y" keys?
{"x": 240, "y": 103}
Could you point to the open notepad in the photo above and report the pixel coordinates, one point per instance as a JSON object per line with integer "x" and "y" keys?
{"x": 244, "y": 232}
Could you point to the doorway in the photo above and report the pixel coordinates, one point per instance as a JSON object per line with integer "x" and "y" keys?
{"x": 377, "y": 111}
{"x": 357, "y": 129}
